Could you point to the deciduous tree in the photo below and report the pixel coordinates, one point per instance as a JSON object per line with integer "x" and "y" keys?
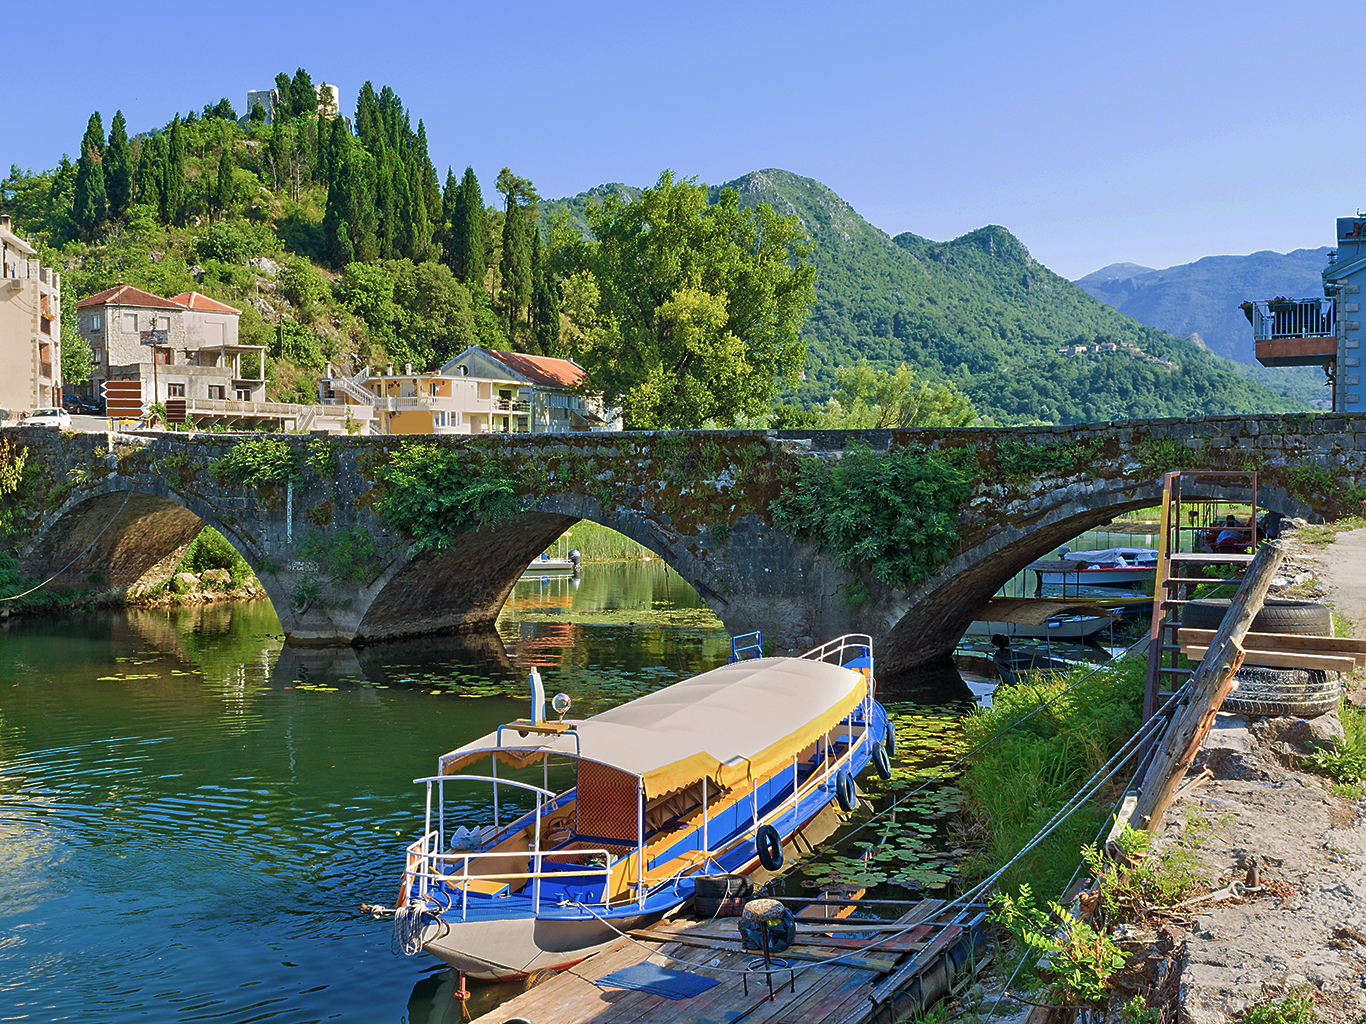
{"x": 698, "y": 308}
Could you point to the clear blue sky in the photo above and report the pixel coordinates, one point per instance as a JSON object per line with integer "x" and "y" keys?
{"x": 1154, "y": 133}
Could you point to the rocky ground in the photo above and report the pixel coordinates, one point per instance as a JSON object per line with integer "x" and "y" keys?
{"x": 1305, "y": 923}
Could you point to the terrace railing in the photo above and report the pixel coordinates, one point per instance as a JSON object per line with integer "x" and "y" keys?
{"x": 1293, "y": 318}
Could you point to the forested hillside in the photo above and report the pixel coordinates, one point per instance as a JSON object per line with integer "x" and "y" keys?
{"x": 340, "y": 241}
{"x": 981, "y": 311}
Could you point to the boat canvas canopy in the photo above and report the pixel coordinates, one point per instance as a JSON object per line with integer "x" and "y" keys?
{"x": 737, "y": 722}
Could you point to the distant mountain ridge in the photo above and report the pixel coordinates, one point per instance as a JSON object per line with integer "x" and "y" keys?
{"x": 981, "y": 311}
{"x": 1203, "y": 297}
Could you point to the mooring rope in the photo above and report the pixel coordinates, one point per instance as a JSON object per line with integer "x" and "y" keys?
{"x": 992, "y": 739}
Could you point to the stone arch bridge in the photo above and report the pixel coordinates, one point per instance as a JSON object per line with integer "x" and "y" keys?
{"x": 112, "y": 509}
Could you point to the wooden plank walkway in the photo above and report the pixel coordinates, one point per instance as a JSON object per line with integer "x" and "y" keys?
{"x": 818, "y": 987}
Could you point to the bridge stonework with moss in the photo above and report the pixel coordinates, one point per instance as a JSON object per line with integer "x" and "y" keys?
{"x": 801, "y": 534}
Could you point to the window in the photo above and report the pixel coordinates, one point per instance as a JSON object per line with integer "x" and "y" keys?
{"x": 163, "y": 323}
{"x": 175, "y": 390}
{"x": 217, "y": 391}
{"x": 244, "y": 394}
{"x": 130, "y": 323}
{"x": 162, "y": 356}
{"x": 97, "y": 355}
{"x": 45, "y": 325}
{"x": 95, "y": 321}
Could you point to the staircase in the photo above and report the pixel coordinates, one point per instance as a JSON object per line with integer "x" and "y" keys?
{"x": 349, "y": 387}
{"x": 1180, "y": 566}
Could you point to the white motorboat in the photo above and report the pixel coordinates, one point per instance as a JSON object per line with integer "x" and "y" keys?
{"x": 1106, "y": 566}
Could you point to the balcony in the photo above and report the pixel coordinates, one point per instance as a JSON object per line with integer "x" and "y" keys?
{"x": 1294, "y": 332}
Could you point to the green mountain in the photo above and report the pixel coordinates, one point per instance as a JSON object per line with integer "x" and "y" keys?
{"x": 983, "y": 312}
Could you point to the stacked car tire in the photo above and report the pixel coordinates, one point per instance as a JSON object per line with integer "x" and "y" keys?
{"x": 1293, "y": 692}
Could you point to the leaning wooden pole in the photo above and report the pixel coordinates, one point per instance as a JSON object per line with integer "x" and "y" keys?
{"x": 1209, "y": 685}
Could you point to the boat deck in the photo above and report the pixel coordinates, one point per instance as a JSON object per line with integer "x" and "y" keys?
{"x": 834, "y": 974}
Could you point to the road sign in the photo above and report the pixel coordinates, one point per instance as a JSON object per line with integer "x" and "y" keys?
{"x": 175, "y": 410}
{"x": 123, "y": 399}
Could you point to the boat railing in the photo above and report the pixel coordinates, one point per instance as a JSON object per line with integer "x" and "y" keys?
{"x": 425, "y": 862}
{"x": 842, "y": 649}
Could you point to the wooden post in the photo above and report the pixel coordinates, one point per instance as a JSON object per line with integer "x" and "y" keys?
{"x": 1210, "y": 684}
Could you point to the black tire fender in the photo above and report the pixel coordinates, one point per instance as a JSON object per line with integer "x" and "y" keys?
{"x": 881, "y": 762}
{"x": 844, "y": 791}
{"x": 769, "y": 846}
{"x": 890, "y": 739}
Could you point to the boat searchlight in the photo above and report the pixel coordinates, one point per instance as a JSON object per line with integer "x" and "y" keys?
{"x": 561, "y": 703}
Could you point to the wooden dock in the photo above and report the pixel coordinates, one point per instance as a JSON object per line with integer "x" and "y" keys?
{"x": 840, "y": 970}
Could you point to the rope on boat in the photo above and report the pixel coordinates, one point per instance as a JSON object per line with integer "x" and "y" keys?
{"x": 411, "y": 922}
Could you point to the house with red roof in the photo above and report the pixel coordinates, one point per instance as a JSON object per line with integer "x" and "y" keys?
{"x": 547, "y": 400}
{"x": 186, "y": 347}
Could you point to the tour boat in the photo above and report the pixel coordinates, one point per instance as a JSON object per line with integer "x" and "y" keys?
{"x": 711, "y": 775}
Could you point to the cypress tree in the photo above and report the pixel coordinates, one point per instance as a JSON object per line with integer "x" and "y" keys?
{"x": 441, "y": 233}
{"x": 284, "y": 105}
{"x": 118, "y": 168}
{"x": 222, "y": 189}
{"x": 545, "y": 304}
{"x": 90, "y": 206}
{"x": 150, "y": 173}
{"x": 323, "y": 134}
{"x": 468, "y": 232}
{"x": 431, "y": 188}
{"x": 303, "y": 94}
{"x": 367, "y": 117}
{"x": 515, "y": 265}
{"x": 173, "y": 176}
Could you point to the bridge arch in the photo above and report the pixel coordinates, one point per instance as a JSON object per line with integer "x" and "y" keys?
{"x": 923, "y": 627}
{"x": 464, "y": 587}
{"x": 127, "y": 532}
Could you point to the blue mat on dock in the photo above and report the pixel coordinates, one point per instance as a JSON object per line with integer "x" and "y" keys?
{"x": 658, "y": 981}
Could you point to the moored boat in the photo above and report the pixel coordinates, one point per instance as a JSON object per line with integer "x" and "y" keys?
{"x": 1109, "y": 566}
{"x": 709, "y": 776}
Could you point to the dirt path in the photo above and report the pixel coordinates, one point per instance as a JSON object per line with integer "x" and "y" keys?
{"x": 1343, "y": 571}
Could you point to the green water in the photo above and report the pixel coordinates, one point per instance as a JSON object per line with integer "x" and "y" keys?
{"x": 191, "y": 813}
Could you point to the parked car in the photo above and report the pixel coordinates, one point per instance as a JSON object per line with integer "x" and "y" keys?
{"x": 80, "y": 405}
{"x": 49, "y": 418}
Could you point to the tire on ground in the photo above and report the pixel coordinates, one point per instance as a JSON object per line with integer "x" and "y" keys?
{"x": 1290, "y": 692}
{"x": 1304, "y": 618}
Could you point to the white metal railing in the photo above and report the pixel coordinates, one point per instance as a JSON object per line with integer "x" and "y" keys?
{"x": 856, "y": 645}
{"x": 344, "y": 384}
{"x": 424, "y": 868}
{"x": 1293, "y": 318}
{"x": 425, "y": 855}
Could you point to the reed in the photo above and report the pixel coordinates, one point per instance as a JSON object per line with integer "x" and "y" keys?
{"x": 597, "y": 543}
{"x": 1018, "y": 782}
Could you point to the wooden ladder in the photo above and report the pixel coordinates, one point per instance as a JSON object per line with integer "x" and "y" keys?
{"x": 1178, "y": 566}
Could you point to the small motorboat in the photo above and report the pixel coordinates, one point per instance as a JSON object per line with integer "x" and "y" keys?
{"x": 1129, "y": 566}
{"x": 712, "y": 775}
{"x": 1039, "y": 619}
{"x": 1013, "y": 666}
{"x": 548, "y": 565}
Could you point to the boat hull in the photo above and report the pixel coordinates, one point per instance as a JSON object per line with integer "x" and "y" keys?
{"x": 511, "y": 948}
{"x": 1099, "y": 577}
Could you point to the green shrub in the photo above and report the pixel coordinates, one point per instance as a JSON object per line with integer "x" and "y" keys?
{"x": 896, "y": 512}
{"x": 254, "y": 463}
{"x": 435, "y": 494}
{"x": 235, "y": 241}
{"x": 1296, "y": 1008}
{"x": 209, "y": 551}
